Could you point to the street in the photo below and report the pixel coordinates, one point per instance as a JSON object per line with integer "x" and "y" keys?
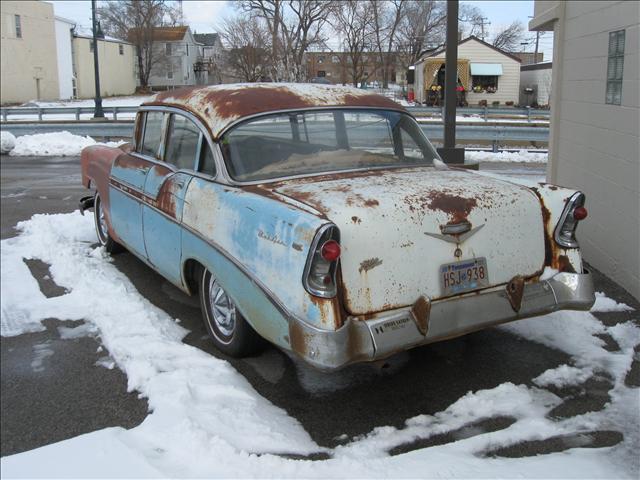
{"x": 55, "y": 387}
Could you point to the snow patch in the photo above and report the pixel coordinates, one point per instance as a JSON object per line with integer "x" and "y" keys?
{"x": 522, "y": 156}
{"x": 55, "y": 144}
{"x": 207, "y": 421}
{"x": 7, "y": 142}
{"x": 606, "y": 304}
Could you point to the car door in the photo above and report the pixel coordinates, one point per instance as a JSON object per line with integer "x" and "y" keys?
{"x": 164, "y": 189}
{"x": 128, "y": 177}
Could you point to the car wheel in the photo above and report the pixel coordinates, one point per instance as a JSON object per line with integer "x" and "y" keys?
{"x": 102, "y": 229}
{"x": 226, "y": 326}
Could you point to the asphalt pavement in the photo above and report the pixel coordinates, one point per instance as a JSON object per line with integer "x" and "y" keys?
{"x": 54, "y": 388}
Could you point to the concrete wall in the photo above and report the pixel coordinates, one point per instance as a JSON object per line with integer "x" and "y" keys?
{"x": 541, "y": 81}
{"x": 117, "y": 75}
{"x": 64, "y": 57}
{"x": 595, "y": 147}
{"x": 28, "y": 65}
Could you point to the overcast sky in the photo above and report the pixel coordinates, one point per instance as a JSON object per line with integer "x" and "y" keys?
{"x": 206, "y": 16}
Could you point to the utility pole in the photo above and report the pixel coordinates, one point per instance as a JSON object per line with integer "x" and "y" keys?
{"x": 535, "y": 55}
{"x": 483, "y": 22}
{"x": 449, "y": 153}
{"x": 97, "y": 33}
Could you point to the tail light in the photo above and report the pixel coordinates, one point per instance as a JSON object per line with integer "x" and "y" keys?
{"x": 574, "y": 211}
{"x": 319, "y": 276}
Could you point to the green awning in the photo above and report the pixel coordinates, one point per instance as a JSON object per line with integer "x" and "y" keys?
{"x": 486, "y": 69}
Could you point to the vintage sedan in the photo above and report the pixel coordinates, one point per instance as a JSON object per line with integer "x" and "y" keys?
{"x": 321, "y": 219}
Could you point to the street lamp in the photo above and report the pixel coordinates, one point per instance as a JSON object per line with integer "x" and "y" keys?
{"x": 97, "y": 33}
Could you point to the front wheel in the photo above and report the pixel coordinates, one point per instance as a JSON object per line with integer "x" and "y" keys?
{"x": 226, "y": 326}
{"x": 102, "y": 229}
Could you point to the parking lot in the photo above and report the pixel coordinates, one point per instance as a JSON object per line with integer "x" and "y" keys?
{"x": 58, "y": 385}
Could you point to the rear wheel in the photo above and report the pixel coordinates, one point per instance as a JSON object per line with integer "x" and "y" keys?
{"x": 102, "y": 228}
{"x": 226, "y": 326}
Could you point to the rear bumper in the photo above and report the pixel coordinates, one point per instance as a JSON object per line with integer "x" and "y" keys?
{"x": 386, "y": 333}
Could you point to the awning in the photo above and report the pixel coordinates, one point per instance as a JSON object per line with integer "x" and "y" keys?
{"x": 486, "y": 69}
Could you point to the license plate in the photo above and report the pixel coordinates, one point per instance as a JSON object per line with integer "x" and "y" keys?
{"x": 459, "y": 277}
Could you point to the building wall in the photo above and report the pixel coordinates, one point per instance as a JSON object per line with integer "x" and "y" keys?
{"x": 117, "y": 75}
{"x": 594, "y": 146}
{"x": 541, "y": 81}
{"x": 28, "y": 67}
{"x": 184, "y": 54}
{"x": 65, "y": 58}
{"x": 476, "y": 52}
{"x": 508, "y": 82}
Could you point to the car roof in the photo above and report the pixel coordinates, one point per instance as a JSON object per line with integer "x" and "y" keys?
{"x": 220, "y": 106}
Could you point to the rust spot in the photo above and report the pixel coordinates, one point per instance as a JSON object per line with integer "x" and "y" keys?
{"x": 299, "y": 339}
{"x": 564, "y": 264}
{"x": 297, "y": 246}
{"x": 421, "y": 310}
{"x": 371, "y": 100}
{"x": 355, "y": 219}
{"x": 369, "y": 264}
{"x": 371, "y": 203}
{"x": 515, "y": 289}
{"x": 549, "y": 244}
{"x": 457, "y": 207}
{"x": 405, "y": 245}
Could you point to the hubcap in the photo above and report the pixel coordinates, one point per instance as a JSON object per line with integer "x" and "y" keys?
{"x": 102, "y": 222}
{"x": 223, "y": 310}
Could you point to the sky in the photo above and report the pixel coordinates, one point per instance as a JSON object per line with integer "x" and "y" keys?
{"x": 206, "y": 16}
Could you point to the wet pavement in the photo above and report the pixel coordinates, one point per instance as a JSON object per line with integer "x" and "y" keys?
{"x": 55, "y": 387}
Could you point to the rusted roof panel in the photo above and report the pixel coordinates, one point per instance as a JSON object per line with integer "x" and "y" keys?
{"x": 221, "y": 105}
{"x": 167, "y": 34}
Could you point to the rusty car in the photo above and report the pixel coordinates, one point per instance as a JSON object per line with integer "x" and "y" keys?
{"x": 321, "y": 219}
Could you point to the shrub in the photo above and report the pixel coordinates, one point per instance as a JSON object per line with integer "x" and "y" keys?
{"x": 482, "y": 103}
{"x": 495, "y": 104}
{"x": 509, "y": 103}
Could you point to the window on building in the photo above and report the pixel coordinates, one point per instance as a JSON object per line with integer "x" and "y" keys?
{"x": 167, "y": 49}
{"x": 321, "y": 73}
{"x": 485, "y": 83}
{"x": 187, "y": 45}
{"x": 320, "y": 59}
{"x": 121, "y": 49}
{"x": 615, "y": 67}
{"x": 169, "y": 72}
{"x": 91, "y": 46}
{"x": 18, "y": 26}
{"x": 335, "y": 59}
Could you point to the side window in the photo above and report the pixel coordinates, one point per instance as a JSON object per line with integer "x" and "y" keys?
{"x": 615, "y": 67}
{"x": 152, "y": 134}
{"x": 207, "y": 164}
{"x": 182, "y": 142}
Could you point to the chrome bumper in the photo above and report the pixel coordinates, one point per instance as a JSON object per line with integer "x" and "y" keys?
{"x": 386, "y": 333}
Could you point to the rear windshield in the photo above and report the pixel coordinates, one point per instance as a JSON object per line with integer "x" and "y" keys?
{"x": 301, "y": 143}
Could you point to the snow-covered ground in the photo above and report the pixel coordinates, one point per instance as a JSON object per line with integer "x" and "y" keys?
{"x": 206, "y": 420}
{"x": 129, "y": 101}
{"x": 55, "y": 144}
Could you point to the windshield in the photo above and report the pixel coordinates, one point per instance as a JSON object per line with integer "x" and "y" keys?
{"x": 302, "y": 143}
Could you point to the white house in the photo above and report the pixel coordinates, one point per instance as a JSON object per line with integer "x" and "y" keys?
{"x": 595, "y": 125}
{"x": 486, "y": 73}
{"x": 535, "y": 84}
{"x": 64, "y": 52}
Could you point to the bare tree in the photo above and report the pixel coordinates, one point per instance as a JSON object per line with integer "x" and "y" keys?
{"x": 422, "y": 28}
{"x": 136, "y": 20}
{"x": 354, "y": 21}
{"x": 271, "y": 12}
{"x": 302, "y": 27}
{"x": 508, "y": 39}
{"x": 471, "y": 21}
{"x": 386, "y": 20}
{"x": 248, "y": 53}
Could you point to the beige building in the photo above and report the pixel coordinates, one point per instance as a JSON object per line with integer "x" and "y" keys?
{"x": 595, "y": 125}
{"x": 116, "y": 59}
{"x": 28, "y": 69}
{"x": 486, "y": 73}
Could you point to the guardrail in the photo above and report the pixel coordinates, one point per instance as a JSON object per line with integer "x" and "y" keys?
{"x": 40, "y": 112}
{"x": 76, "y": 112}
{"x": 496, "y": 134}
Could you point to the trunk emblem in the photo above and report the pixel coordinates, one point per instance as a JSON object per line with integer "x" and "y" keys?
{"x": 457, "y": 233}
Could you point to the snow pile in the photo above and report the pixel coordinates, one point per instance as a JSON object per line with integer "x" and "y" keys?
{"x": 56, "y": 144}
{"x": 206, "y": 420}
{"x": 7, "y": 142}
{"x": 606, "y": 304}
{"x": 522, "y": 156}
